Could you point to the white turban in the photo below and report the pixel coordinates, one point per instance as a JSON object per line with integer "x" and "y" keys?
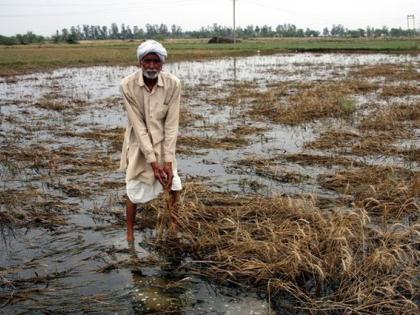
{"x": 151, "y": 46}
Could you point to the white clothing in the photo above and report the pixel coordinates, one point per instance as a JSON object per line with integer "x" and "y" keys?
{"x": 141, "y": 192}
{"x": 151, "y": 46}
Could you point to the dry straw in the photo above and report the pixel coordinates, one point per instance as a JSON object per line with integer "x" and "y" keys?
{"x": 336, "y": 261}
{"x": 297, "y": 103}
{"x": 389, "y": 192}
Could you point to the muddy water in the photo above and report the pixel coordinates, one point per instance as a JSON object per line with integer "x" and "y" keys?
{"x": 85, "y": 265}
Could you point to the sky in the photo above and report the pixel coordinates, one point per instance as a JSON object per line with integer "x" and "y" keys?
{"x": 44, "y": 17}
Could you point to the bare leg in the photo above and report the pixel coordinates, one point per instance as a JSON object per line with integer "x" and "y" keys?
{"x": 173, "y": 208}
{"x": 131, "y": 218}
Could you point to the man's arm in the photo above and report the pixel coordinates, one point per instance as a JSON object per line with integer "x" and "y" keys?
{"x": 171, "y": 124}
{"x": 171, "y": 133}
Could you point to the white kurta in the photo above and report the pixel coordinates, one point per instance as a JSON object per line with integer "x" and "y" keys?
{"x": 152, "y": 129}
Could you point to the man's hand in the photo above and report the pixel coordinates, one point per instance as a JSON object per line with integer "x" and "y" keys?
{"x": 160, "y": 175}
{"x": 167, "y": 169}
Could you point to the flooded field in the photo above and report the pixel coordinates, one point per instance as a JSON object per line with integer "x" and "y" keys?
{"x": 301, "y": 176}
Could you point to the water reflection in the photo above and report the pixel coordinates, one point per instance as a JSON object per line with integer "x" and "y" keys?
{"x": 168, "y": 289}
{"x": 153, "y": 293}
{"x": 98, "y": 83}
{"x": 234, "y": 71}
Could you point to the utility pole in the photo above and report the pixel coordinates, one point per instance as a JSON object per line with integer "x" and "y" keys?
{"x": 234, "y": 22}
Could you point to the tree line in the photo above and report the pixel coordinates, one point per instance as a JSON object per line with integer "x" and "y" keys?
{"x": 161, "y": 31}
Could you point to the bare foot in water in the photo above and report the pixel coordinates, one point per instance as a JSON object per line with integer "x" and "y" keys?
{"x": 131, "y": 210}
{"x": 130, "y": 236}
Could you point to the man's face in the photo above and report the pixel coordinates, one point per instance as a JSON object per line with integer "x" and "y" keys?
{"x": 151, "y": 66}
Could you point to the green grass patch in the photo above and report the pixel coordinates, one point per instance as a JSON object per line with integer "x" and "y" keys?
{"x": 43, "y": 57}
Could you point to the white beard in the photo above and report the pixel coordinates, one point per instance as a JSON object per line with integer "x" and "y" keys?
{"x": 151, "y": 74}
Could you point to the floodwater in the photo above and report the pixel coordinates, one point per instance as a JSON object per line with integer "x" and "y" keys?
{"x": 85, "y": 264}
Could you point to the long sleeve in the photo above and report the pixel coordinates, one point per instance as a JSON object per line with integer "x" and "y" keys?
{"x": 137, "y": 121}
{"x": 171, "y": 124}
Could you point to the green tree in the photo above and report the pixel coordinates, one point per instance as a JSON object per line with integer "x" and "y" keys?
{"x": 337, "y": 30}
{"x": 311, "y": 33}
{"x": 114, "y": 31}
{"x": 129, "y": 33}
{"x": 369, "y": 31}
{"x": 257, "y": 31}
{"x": 104, "y": 32}
{"x": 249, "y": 31}
{"x": 86, "y": 33}
{"x": 152, "y": 30}
{"x": 5, "y": 40}
{"x": 163, "y": 30}
{"x": 176, "y": 31}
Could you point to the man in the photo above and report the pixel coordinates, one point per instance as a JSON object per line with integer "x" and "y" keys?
{"x": 151, "y": 100}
